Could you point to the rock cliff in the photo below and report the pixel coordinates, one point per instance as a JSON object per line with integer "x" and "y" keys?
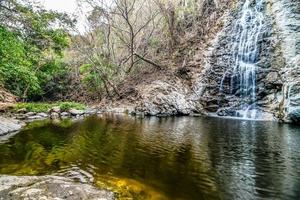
{"x": 207, "y": 81}
{"x": 277, "y": 73}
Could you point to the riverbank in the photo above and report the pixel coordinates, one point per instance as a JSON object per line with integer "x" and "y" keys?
{"x": 14, "y": 116}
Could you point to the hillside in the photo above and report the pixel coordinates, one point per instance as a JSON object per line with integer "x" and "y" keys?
{"x": 222, "y": 58}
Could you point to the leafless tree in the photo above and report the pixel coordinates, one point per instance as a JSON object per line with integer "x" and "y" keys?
{"x": 167, "y": 10}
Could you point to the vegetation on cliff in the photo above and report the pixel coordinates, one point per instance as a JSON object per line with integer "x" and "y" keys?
{"x": 43, "y": 57}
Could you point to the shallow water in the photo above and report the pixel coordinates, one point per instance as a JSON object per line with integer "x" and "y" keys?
{"x": 165, "y": 158}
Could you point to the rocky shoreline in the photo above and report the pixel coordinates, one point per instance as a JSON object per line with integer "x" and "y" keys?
{"x": 57, "y": 186}
{"x": 9, "y": 125}
{"x": 15, "y": 121}
{"x": 11, "y": 122}
{"x": 49, "y": 187}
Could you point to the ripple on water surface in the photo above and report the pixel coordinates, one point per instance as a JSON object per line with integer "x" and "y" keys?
{"x": 164, "y": 158}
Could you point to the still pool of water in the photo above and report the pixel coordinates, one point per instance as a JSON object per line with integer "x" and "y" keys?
{"x": 164, "y": 158}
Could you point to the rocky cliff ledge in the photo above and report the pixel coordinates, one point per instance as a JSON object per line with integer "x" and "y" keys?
{"x": 195, "y": 87}
{"x": 277, "y": 65}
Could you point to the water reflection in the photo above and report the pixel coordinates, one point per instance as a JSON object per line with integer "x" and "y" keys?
{"x": 183, "y": 157}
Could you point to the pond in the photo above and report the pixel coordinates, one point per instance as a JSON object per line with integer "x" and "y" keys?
{"x": 164, "y": 158}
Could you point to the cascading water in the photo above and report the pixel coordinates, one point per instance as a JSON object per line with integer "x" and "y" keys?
{"x": 245, "y": 53}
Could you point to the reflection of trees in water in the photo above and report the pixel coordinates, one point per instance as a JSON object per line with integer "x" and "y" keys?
{"x": 26, "y": 153}
{"x": 185, "y": 157}
{"x": 176, "y": 155}
{"x": 164, "y": 153}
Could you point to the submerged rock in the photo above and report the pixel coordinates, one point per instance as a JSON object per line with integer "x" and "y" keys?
{"x": 49, "y": 188}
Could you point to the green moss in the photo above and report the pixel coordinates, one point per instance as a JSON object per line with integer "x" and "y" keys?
{"x": 45, "y": 107}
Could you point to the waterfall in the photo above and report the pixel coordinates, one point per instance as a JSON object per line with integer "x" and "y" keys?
{"x": 245, "y": 54}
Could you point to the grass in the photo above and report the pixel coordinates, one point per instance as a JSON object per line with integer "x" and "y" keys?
{"x": 45, "y": 107}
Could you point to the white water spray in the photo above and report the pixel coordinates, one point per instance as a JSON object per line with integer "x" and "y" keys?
{"x": 245, "y": 54}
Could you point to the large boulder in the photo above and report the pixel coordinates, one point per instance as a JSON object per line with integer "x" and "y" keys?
{"x": 9, "y": 125}
{"x": 49, "y": 188}
{"x": 295, "y": 116}
{"x": 163, "y": 99}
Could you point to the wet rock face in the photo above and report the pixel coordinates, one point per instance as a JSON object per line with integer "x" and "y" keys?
{"x": 286, "y": 15}
{"x": 292, "y": 100}
{"x": 294, "y": 116}
{"x": 276, "y": 61}
{"x": 278, "y": 64}
{"x": 49, "y": 188}
{"x": 223, "y": 88}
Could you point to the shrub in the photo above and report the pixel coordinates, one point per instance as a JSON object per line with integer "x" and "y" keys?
{"x": 45, "y": 107}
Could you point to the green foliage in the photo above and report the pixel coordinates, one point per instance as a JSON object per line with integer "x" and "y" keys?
{"x": 91, "y": 77}
{"x": 94, "y": 77}
{"x": 64, "y": 106}
{"x": 32, "y": 42}
{"x": 85, "y": 68}
{"x": 39, "y": 28}
{"x": 45, "y": 107}
{"x": 53, "y": 78}
{"x": 16, "y": 72}
{"x": 34, "y": 107}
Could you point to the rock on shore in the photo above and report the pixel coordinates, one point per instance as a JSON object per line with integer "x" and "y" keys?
{"x": 49, "y": 188}
{"x": 9, "y": 125}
